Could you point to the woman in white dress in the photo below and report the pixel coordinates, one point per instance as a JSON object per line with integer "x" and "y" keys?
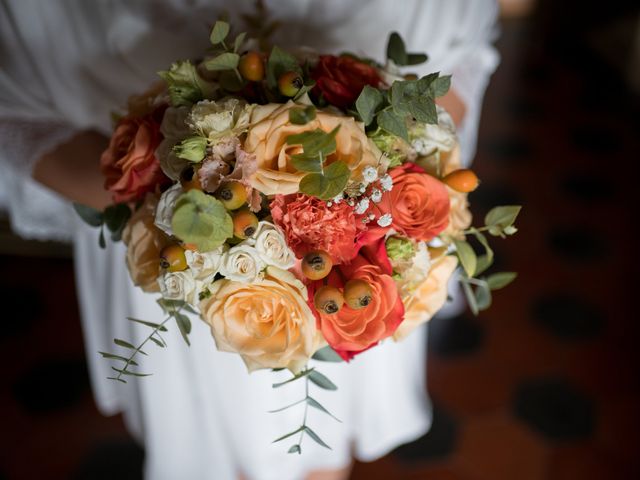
{"x": 65, "y": 66}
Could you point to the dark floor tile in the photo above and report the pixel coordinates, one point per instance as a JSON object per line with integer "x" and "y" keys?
{"x": 578, "y": 244}
{"x": 508, "y": 150}
{"x": 21, "y": 306}
{"x": 595, "y": 140}
{"x": 56, "y": 384}
{"x": 587, "y": 187}
{"x": 555, "y": 409}
{"x": 567, "y": 316}
{"x": 438, "y": 443}
{"x": 460, "y": 335}
{"x": 115, "y": 459}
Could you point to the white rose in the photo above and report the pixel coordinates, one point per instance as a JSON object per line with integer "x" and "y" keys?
{"x": 164, "y": 210}
{"x": 242, "y": 263}
{"x": 426, "y": 139}
{"x": 272, "y": 246}
{"x": 179, "y": 286}
{"x": 216, "y": 120}
{"x": 205, "y": 265}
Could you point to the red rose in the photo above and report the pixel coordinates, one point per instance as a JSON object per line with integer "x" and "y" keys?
{"x": 129, "y": 163}
{"x": 341, "y": 79}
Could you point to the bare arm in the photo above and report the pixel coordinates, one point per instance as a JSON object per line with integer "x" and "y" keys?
{"x": 73, "y": 170}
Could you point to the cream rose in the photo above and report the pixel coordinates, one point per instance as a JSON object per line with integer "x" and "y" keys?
{"x": 179, "y": 286}
{"x": 272, "y": 247}
{"x": 428, "y": 298}
{"x": 242, "y": 263}
{"x": 205, "y": 265}
{"x": 164, "y": 210}
{"x": 269, "y": 323}
{"x": 266, "y": 139}
{"x": 144, "y": 243}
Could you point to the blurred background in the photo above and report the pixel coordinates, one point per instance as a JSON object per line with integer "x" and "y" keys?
{"x": 544, "y": 385}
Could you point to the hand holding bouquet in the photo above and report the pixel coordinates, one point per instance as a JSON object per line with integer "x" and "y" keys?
{"x": 304, "y": 205}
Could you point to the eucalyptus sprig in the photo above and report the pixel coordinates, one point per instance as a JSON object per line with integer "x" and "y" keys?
{"x": 173, "y": 309}
{"x": 227, "y": 56}
{"x": 499, "y": 222}
{"x": 314, "y": 376}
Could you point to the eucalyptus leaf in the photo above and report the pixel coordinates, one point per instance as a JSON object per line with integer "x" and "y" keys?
{"x": 441, "y": 85}
{"x": 503, "y": 216}
{"x": 101, "y": 241}
{"x": 424, "y": 110}
{"x": 287, "y": 406}
{"x": 237, "y": 44}
{"x": 129, "y": 372}
{"x": 326, "y": 185}
{"x": 112, "y": 356}
{"x": 229, "y": 81}
{"x": 416, "y": 58}
{"x": 123, "y": 343}
{"x": 219, "y": 32}
{"x": 327, "y": 354}
{"x": 467, "y": 256}
{"x": 322, "y": 381}
{"x": 302, "y": 115}
{"x": 295, "y": 449}
{"x": 314, "y": 436}
{"x": 118, "y": 379}
{"x": 157, "y": 326}
{"x": 501, "y": 280}
{"x": 184, "y": 325}
{"x": 290, "y": 434}
{"x": 396, "y": 50}
{"x": 116, "y": 218}
{"x": 471, "y": 298}
{"x": 368, "y": 102}
{"x": 224, "y": 61}
{"x": 486, "y": 260}
{"x": 306, "y": 88}
{"x": 90, "y": 215}
{"x": 299, "y": 375}
{"x": 393, "y": 124}
{"x": 482, "y": 295}
{"x": 157, "y": 342}
{"x": 201, "y": 219}
{"x": 317, "y": 405}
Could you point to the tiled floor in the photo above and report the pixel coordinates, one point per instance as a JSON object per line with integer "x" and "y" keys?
{"x": 545, "y": 385}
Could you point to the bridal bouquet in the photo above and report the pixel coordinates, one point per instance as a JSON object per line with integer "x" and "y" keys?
{"x": 303, "y": 205}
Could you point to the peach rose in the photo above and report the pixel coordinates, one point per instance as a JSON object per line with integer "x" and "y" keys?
{"x": 144, "y": 242}
{"x": 269, "y": 322}
{"x": 266, "y": 139}
{"x": 351, "y": 331}
{"x": 129, "y": 163}
{"x": 425, "y": 301}
{"x": 309, "y": 224}
{"x": 418, "y": 203}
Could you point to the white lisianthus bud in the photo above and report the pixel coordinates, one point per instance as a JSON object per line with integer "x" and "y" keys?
{"x": 242, "y": 263}
{"x": 205, "y": 265}
{"x": 272, "y": 246}
{"x": 179, "y": 286}
{"x": 164, "y": 210}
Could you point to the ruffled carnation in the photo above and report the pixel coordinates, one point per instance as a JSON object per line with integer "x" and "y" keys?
{"x": 309, "y": 224}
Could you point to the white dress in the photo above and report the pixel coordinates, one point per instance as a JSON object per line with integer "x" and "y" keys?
{"x": 64, "y": 66}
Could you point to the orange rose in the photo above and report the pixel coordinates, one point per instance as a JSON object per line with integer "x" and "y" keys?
{"x": 418, "y": 203}
{"x": 144, "y": 242}
{"x": 129, "y": 163}
{"x": 351, "y": 331}
{"x": 267, "y": 140}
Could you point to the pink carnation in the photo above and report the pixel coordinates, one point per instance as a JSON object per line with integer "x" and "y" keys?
{"x": 309, "y": 224}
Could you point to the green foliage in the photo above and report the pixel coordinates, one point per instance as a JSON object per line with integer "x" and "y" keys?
{"x": 316, "y": 146}
{"x": 201, "y": 219}
{"x": 499, "y": 221}
{"x": 309, "y": 375}
{"x": 115, "y": 217}
{"x": 239, "y": 41}
{"x": 192, "y": 149}
{"x": 280, "y": 62}
{"x": 91, "y": 216}
{"x": 219, "y": 32}
{"x": 397, "y": 52}
{"x": 327, "y": 354}
{"x": 393, "y": 123}
{"x": 302, "y": 115}
{"x": 224, "y": 61}
{"x": 467, "y": 256}
{"x": 501, "y": 280}
{"x": 328, "y": 184}
{"x": 368, "y": 103}
{"x": 184, "y": 84}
